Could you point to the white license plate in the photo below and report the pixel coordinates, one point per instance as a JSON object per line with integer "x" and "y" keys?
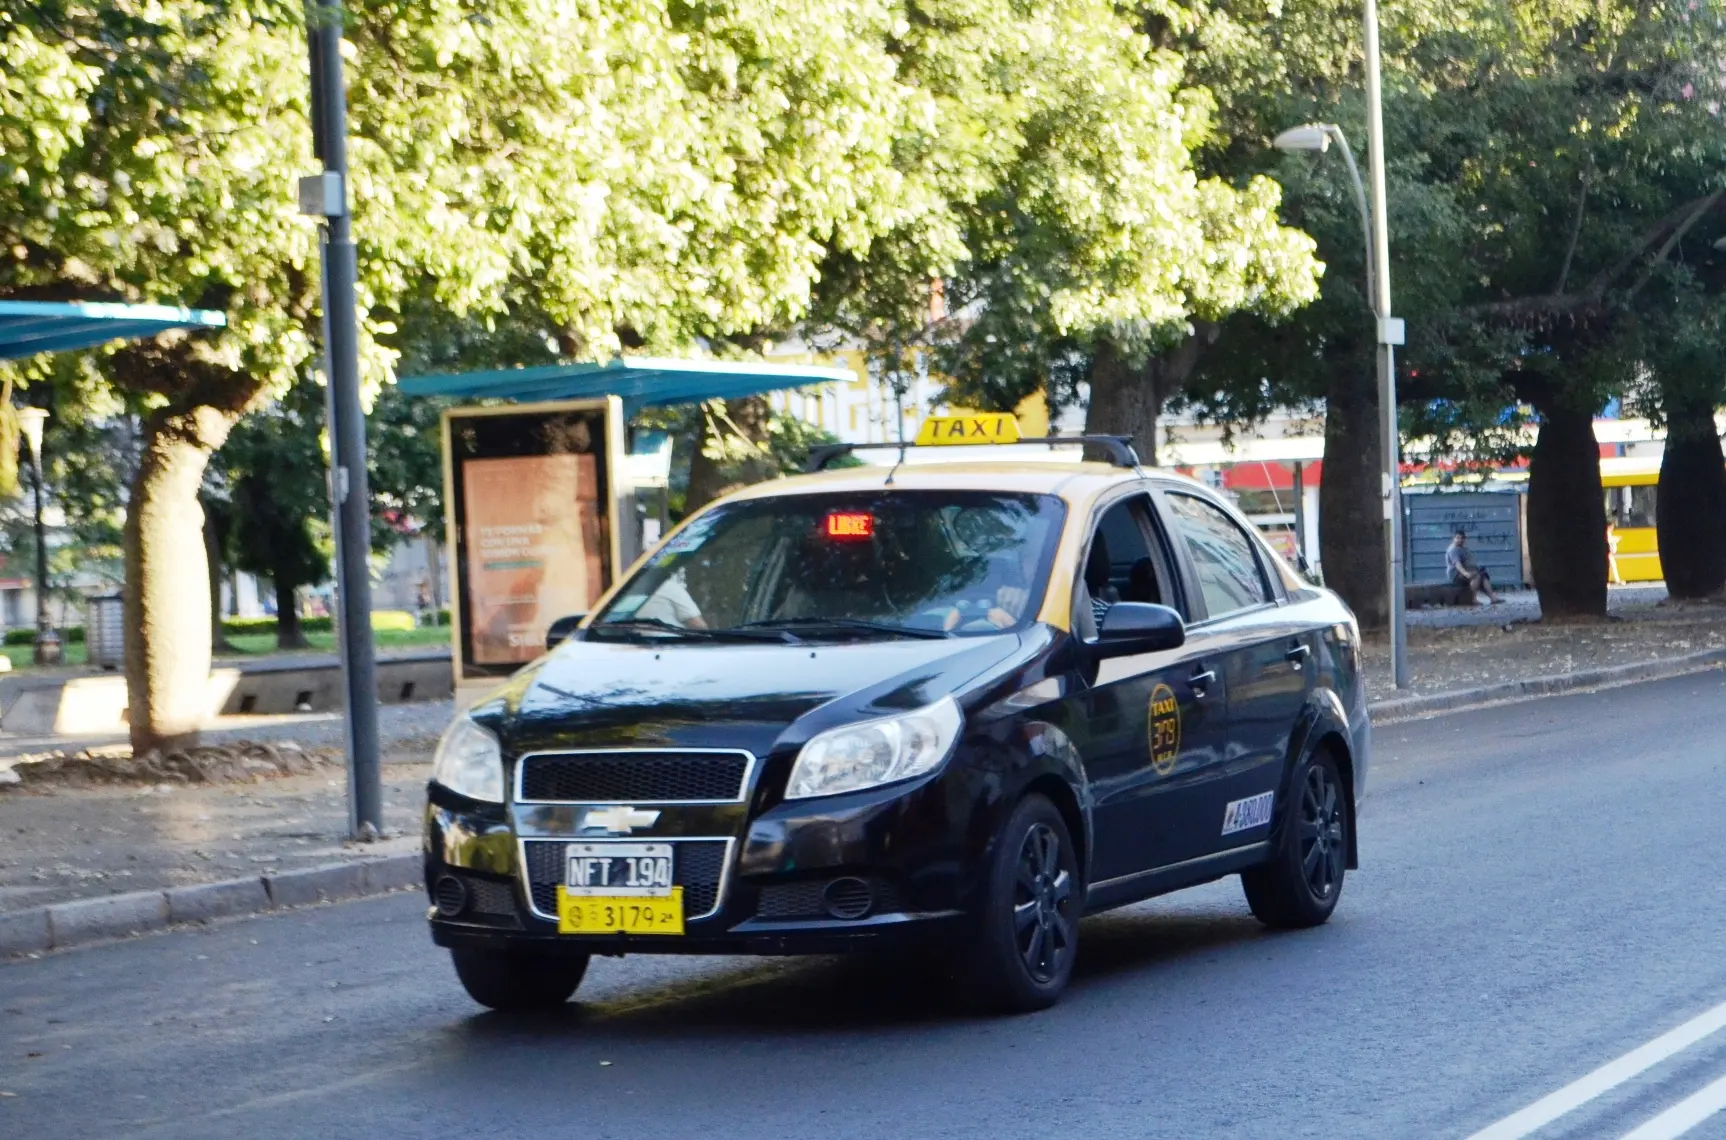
{"x": 619, "y": 870}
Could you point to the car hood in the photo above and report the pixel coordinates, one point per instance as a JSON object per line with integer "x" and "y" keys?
{"x": 724, "y": 695}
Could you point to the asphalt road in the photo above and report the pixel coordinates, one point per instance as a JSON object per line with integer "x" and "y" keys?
{"x": 1544, "y": 891}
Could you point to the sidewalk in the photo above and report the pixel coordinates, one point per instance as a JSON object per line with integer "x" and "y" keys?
{"x": 60, "y": 843}
{"x": 1469, "y": 647}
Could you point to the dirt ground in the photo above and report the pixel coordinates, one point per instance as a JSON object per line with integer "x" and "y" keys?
{"x": 65, "y": 843}
{"x": 1485, "y": 652}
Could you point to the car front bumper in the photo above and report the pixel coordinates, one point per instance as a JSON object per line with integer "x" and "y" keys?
{"x": 903, "y": 842}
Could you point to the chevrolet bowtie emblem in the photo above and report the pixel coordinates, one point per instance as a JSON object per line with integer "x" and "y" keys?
{"x": 618, "y": 820}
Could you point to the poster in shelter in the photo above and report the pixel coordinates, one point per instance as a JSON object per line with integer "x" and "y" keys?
{"x": 533, "y": 549}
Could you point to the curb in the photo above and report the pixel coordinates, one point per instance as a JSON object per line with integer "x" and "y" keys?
{"x": 1404, "y": 708}
{"x": 83, "y": 921}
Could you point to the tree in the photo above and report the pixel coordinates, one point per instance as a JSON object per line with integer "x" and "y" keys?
{"x": 1546, "y": 164}
{"x": 638, "y": 174}
{"x": 1089, "y": 243}
{"x": 406, "y": 446}
{"x": 275, "y": 464}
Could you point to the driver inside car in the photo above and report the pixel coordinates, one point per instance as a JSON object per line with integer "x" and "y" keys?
{"x": 671, "y": 603}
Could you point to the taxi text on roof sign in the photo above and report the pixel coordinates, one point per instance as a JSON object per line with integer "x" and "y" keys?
{"x": 978, "y": 427}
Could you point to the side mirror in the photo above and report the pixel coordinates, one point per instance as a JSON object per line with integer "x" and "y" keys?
{"x": 562, "y": 630}
{"x": 1139, "y": 627}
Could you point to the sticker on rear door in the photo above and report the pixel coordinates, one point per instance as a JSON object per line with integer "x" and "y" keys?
{"x": 1243, "y": 815}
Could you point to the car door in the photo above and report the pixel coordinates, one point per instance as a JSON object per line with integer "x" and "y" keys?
{"x": 1265, "y": 654}
{"x": 1142, "y": 724}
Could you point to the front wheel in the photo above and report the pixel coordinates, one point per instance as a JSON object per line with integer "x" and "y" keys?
{"x": 1300, "y": 885}
{"x": 518, "y": 983}
{"x": 1027, "y": 933}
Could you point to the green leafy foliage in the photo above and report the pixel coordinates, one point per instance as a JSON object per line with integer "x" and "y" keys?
{"x": 275, "y": 465}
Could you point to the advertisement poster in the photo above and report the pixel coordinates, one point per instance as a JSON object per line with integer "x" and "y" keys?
{"x": 533, "y": 537}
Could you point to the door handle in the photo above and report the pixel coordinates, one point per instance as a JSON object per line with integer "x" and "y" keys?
{"x": 1200, "y": 680}
{"x": 1297, "y": 654}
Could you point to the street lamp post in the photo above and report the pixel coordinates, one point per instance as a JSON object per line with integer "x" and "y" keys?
{"x": 1387, "y": 330}
{"x": 325, "y": 196}
{"x": 48, "y": 650}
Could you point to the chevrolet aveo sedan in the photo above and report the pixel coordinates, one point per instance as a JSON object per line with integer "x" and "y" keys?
{"x": 948, "y": 708}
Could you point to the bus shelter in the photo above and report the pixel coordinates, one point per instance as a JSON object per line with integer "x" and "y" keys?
{"x": 31, "y": 327}
{"x": 547, "y": 500}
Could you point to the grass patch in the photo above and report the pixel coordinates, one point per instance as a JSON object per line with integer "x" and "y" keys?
{"x": 428, "y": 637}
{"x": 264, "y": 644}
{"x": 21, "y": 655}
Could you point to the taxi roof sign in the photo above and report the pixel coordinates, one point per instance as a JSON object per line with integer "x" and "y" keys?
{"x": 1116, "y": 449}
{"x": 975, "y": 428}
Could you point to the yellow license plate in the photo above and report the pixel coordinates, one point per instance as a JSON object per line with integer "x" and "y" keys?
{"x": 617, "y": 914}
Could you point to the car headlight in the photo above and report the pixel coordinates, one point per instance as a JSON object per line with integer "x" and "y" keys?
{"x": 873, "y": 752}
{"x": 470, "y": 762}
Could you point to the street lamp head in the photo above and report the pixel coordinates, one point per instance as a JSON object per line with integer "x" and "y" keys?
{"x": 30, "y": 421}
{"x": 1312, "y": 137}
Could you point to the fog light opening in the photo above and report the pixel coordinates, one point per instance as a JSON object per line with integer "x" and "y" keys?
{"x": 848, "y": 898}
{"x": 450, "y": 896}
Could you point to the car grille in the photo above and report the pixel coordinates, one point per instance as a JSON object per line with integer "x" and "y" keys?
{"x": 698, "y": 867}
{"x": 633, "y": 777}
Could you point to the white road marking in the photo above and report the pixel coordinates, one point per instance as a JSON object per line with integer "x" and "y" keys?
{"x": 1606, "y": 1078}
{"x": 1684, "y": 1115}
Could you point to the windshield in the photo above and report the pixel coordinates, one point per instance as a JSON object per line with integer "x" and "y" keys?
{"x": 886, "y": 563}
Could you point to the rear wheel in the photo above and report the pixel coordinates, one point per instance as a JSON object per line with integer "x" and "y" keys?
{"x": 1027, "y": 934}
{"x": 518, "y": 983}
{"x": 1300, "y": 885}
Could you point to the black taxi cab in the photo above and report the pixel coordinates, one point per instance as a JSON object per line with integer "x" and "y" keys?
{"x": 949, "y": 707}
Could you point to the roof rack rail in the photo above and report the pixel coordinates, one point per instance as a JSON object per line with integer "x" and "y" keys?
{"x": 1118, "y": 449}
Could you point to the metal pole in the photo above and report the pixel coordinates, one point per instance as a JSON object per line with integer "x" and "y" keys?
{"x": 1300, "y": 513}
{"x": 1359, "y": 188}
{"x": 350, "y": 498}
{"x": 1392, "y": 487}
{"x": 47, "y": 650}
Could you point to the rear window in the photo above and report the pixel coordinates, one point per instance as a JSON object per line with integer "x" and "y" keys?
{"x": 964, "y": 563}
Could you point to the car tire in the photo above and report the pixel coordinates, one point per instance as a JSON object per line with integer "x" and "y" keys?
{"x": 1299, "y": 887}
{"x": 1025, "y": 935}
{"x": 518, "y": 983}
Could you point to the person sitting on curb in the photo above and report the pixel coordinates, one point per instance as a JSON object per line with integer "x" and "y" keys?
{"x": 1459, "y": 561}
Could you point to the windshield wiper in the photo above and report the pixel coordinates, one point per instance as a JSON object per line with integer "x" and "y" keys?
{"x": 849, "y": 625}
{"x": 660, "y": 625}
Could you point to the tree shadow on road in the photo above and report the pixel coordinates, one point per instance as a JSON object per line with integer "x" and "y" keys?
{"x": 861, "y": 993}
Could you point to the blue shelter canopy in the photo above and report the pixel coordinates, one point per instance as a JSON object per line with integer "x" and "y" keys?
{"x": 29, "y": 327}
{"x": 640, "y": 381}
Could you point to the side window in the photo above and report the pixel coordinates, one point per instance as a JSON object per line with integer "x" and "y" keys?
{"x": 1120, "y": 565}
{"x": 1230, "y": 576}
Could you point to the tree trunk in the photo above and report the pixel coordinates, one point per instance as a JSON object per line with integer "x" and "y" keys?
{"x": 167, "y": 584}
{"x": 1690, "y": 506}
{"x": 1567, "y": 516}
{"x": 289, "y": 635}
{"x": 213, "y": 560}
{"x": 434, "y": 563}
{"x": 727, "y": 451}
{"x": 1126, "y": 400}
{"x": 1351, "y": 497}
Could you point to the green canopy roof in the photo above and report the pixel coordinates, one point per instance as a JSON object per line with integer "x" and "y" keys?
{"x": 29, "y": 327}
{"x": 640, "y": 381}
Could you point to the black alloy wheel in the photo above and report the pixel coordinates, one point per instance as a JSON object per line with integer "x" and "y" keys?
{"x": 1299, "y": 885}
{"x": 1041, "y": 889}
{"x": 1025, "y": 936}
{"x": 1322, "y": 851}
